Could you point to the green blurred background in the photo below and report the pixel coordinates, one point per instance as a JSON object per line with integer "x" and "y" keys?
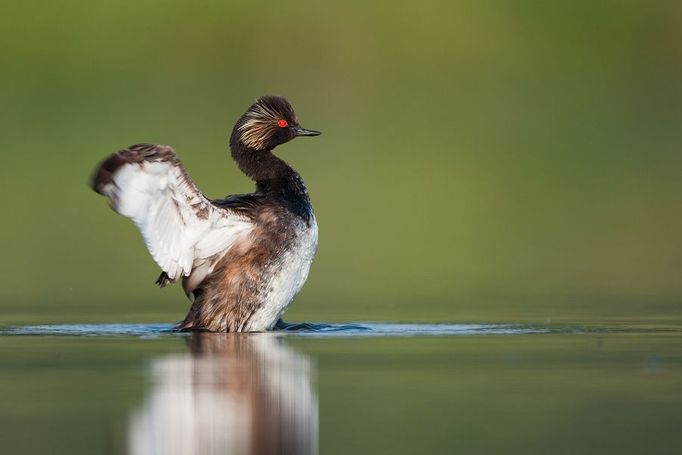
{"x": 481, "y": 160}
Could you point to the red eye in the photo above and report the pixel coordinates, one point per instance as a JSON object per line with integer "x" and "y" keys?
{"x": 282, "y": 123}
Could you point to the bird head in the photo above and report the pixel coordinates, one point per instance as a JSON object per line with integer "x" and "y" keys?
{"x": 269, "y": 122}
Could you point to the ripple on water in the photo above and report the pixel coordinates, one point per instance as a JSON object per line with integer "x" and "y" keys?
{"x": 363, "y": 329}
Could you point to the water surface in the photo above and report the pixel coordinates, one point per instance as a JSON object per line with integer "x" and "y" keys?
{"x": 340, "y": 388}
{"x": 300, "y": 329}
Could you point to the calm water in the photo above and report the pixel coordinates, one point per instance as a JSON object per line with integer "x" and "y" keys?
{"x": 360, "y": 388}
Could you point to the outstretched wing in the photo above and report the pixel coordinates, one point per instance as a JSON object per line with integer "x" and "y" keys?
{"x": 148, "y": 184}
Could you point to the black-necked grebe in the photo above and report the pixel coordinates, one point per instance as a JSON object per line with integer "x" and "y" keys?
{"x": 244, "y": 258}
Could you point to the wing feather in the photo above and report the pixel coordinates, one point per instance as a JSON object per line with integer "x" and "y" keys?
{"x": 180, "y": 226}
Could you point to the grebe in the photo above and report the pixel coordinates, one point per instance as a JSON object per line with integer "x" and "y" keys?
{"x": 244, "y": 258}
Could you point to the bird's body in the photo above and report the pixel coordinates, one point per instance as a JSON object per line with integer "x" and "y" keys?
{"x": 243, "y": 258}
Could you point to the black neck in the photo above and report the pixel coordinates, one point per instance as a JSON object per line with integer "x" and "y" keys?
{"x": 271, "y": 174}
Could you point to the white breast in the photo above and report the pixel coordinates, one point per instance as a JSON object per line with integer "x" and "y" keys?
{"x": 291, "y": 273}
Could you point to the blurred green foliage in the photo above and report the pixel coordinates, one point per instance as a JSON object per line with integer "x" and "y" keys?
{"x": 494, "y": 160}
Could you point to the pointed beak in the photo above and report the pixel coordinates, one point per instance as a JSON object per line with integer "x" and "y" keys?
{"x": 303, "y": 132}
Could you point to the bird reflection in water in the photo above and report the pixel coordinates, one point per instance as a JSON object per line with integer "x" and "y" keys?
{"x": 233, "y": 394}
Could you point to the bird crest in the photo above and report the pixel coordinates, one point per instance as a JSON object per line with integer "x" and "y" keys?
{"x": 264, "y": 119}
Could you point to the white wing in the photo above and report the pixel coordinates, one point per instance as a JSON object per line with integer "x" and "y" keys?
{"x": 148, "y": 184}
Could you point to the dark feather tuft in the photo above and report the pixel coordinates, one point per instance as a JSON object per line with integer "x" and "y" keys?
{"x": 163, "y": 280}
{"x": 133, "y": 154}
